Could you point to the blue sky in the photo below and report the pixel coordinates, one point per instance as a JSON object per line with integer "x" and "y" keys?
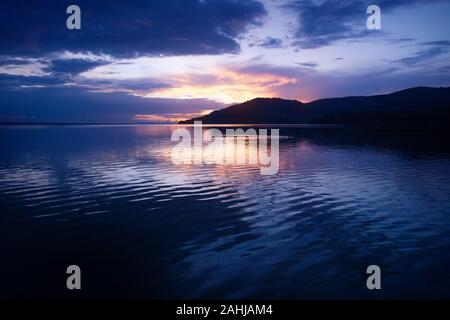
{"x": 170, "y": 60}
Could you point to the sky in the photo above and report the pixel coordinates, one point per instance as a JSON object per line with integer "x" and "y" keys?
{"x": 169, "y": 60}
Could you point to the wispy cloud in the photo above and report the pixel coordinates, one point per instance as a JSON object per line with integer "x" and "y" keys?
{"x": 322, "y": 23}
{"x": 25, "y": 67}
{"x": 434, "y": 49}
{"x": 268, "y": 43}
{"x": 308, "y": 64}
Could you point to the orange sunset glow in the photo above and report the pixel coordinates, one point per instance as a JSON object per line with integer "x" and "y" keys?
{"x": 227, "y": 86}
{"x": 171, "y": 117}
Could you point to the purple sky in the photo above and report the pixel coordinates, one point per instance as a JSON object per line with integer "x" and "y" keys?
{"x": 171, "y": 60}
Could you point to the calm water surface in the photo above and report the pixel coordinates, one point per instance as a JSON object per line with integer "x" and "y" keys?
{"x": 109, "y": 199}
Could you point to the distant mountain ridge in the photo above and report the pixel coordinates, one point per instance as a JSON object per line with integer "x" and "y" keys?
{"x": 409, "y": 106}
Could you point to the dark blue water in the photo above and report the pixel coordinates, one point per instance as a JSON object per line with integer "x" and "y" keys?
{"x": 109, "y": 199}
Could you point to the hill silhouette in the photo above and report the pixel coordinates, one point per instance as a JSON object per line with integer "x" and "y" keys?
{"x": 421, "y": 105}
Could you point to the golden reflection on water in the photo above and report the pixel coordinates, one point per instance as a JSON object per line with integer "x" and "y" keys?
{"x": 214, "y": 148}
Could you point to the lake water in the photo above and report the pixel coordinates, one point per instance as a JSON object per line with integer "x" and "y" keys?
{"x": 109, "y": 199}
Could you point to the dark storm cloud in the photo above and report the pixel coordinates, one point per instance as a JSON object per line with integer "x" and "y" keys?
{"x": 127, "y": 28}
{"x": 322, "y": 23}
